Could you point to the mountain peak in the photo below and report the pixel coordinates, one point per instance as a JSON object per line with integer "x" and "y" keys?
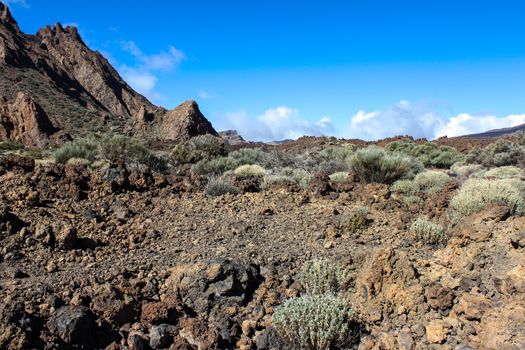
{"x": 6, "y": 18}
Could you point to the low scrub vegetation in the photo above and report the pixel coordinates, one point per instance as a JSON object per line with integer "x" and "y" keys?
{"x": 6, "y": 146}
{"x": 320, "y": 276}
{"x": 373, "y": 164}
{"x": 476, "y": 194}
{"x": 355, "y": 221}
{"x": 427, "y": 232}
{"x": 463, "y": 170}
{"x": 429, "y": 153}
{"x": 112, "y": 148}
{"x": 314, "y": 322}
{"x": 218, "y": 186}
{"x": 505, "y": 172}
{"x": 203, "y": 147}
{"x": 215, "y": 166}
{"x": 500, "y": 153}
{"x": 406, "y": 187}
{"x": 431, "y": 181}
{"x": 339, "y": 177}
{"x": 282, "y": 176}
{"x": 250, "y": 170}
{"x": 82, "y": 148}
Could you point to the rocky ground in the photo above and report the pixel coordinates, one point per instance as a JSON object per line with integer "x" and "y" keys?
{"x": 121, "y": 258}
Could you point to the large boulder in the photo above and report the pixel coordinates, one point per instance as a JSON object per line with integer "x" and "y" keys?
{"x": 183, "y": 123}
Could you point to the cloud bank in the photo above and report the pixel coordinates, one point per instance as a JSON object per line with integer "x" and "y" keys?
{"x": 274, "y": 124}
{"x": 405, "y": 118}
{"x": 142, "y": 75}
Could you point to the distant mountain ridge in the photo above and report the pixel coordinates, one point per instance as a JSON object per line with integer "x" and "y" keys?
{"x": 499, "y": 132}
{"x": 77, "y": 89}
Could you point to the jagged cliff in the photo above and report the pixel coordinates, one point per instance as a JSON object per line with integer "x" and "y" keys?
{"x": 77, "y": 88}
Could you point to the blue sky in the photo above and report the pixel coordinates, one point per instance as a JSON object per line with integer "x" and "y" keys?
{"x": 281, "y": 69}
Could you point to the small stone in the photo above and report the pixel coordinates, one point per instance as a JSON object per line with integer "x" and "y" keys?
{"x": 436, "y": 332}
{"x": 328, "y": 244}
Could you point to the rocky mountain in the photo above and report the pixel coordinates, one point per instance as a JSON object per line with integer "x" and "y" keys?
{"x": 231, "y": 137}
{"x": 78, "y": 89}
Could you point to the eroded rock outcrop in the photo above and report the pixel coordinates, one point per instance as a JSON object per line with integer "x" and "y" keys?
{"x": 26, "y": 122}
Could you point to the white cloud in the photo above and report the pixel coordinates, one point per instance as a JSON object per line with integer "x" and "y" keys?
{"x": 405, "y": 118}
{"x": 276, "y": 124}
{"x": 22, "y": 3}
{"x": 400, "y": 119}
{"x": 205, "y": 95}
{"x": 465, "y": 123}
{"x": 142, "y": 74}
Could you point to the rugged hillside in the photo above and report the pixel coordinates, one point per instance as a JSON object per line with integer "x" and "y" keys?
{"x": 77, "y": 88}
{"x": 520, "y": 129}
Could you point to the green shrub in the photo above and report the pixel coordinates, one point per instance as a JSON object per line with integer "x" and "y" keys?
{"x": 218, "y": 186}
{"x": 127, "y": 149}
{"x": 314, "y": 322}
{"x": 198, "y": 148}
{"x": 211, "y": 145}
{"x": 299, "y": 177}
{"x": 427, "y": 232}
{"x": 429, "y": 153}
{"x": 78, "y": 162}
{"x": 475, "y": 194}
{"x": 341, "y": 153}
{"x": 278, "y": 159}
{"x": 500, "y": 153}
{"x": 184, "y": 154}
{"x": 356, "y": 221}
{"x": 465, "y": 170}
{"x": 248, "y": 156}
{"x": 10, "y": 146}
{"x": 339, "y": 177}
{"x": 431, "y": 181}
{"x": 373, "y": 164}
{"x": 320, "y": 276}
{"x": 250, "y": 170}
{"x": 216, "y": 166}
{"x": 406, "y": 187}
{"x": 82, "y": 148}
{"x": 432, "y": 155}
{"x": 413, "y": 200}
{"x": 121, "y": 147}
{"x": 505, "y": 172}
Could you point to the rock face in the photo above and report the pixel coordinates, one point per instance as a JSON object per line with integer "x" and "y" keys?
{"x": 25, "y": 121}
{"x": 78, "y": 90}
{"x": 179, "y": 124}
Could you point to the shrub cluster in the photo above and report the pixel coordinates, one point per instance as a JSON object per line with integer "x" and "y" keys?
{"x": 355, "y": 221}
{"x": 112, "y": 148}
{"x": 499, "y": 153}
{"x": 406, "y": 187}
{"x": 427, "y": 232}
{"x": 320, "y": 319}
{"x": 314, "y": 322}
{"x": 218, "y": 186}
{"x": 373, "y": 164}
{"x": 250, "y": 170}
{"x": 339, "y": 177}
{"x": 321, "y": 276}
{"x": 82, "y": 148}
{"x": 431, "y": 181}
{"x": 505, "y": 172}
{"x": 429, "y": 153}
{"x": 202, "y": 147}
{"x": 475, "y": 194}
